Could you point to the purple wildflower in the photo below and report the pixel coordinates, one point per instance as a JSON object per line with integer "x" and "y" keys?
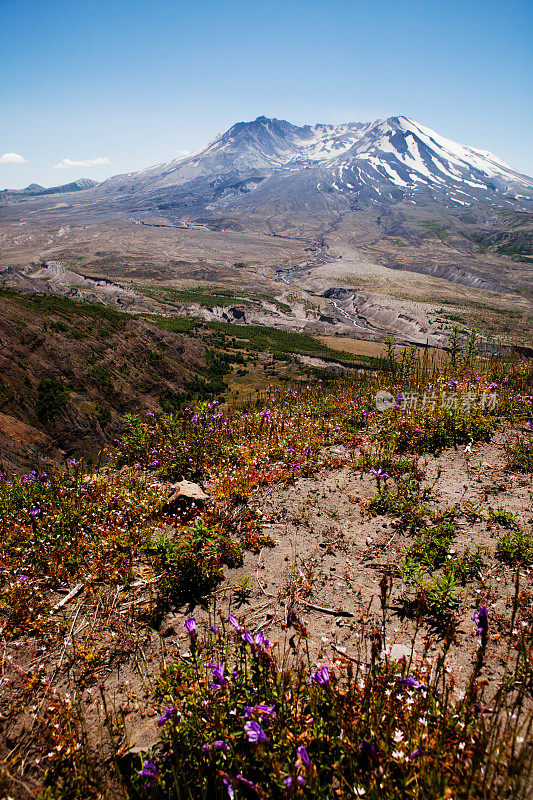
{"x": 149, "y": 770}
{"x": 229, "y": 787}
{"x": 379, "y": 474}
{"x": 22, "y": 577}
{"x": 218, "y": 744}
{"x": 213, "y": 629}
{"x": 190, "y": 626}
{"x": 304, "y": 756}
{"x": 320, "y": 677}
{"x": 415, "y": 753}
{"x": 169, "y": 713}
{"x": 217, "y": 674}
{"x": 411, "y": 682}
{"x": 34, "y": 512}
{"x": 367, "y": 749}
{"x": 481, "y": 619}
{"x": 254, "y": 732}
{"x": 233, "y": 621}
{"x": 249, "y": 784}
{"x": 258, "y": 640}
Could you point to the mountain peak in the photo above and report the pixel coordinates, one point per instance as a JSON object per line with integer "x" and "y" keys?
{"x": 33, "y": 188}
{"x": 269, "y": 163}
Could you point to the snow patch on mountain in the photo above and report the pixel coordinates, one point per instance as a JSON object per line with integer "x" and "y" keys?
{"x": 276, "y": 165}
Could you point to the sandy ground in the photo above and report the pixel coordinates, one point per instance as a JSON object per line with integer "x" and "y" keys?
{"x": 334, "y": 552}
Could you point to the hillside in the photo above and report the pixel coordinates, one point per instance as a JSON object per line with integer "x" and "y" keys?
{"x": 302, "y": 596}
{"x": 71, "y": 371}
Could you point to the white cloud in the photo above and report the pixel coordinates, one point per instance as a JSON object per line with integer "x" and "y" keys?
{"x": 12, "y": 158}
{"x": 183, "y": 152}
{"x": 65, "y": 163}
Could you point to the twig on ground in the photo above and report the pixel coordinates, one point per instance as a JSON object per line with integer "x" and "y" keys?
{"x": 73, "y": 593}
{"x": 385, "y": 546}
{"x": 334, "y": 612}
{"x": 341, "y": 652}
{"x": 258, "y": 580}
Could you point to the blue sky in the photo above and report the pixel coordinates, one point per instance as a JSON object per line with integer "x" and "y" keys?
{"x": 134, "y": 83}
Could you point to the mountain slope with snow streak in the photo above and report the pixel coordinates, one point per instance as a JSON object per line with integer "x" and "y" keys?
{"x": 271, "y": 164}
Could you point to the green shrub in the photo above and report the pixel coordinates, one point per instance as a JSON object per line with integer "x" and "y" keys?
{"x": 430, "y": 430}
{"x": 51, "y": 398}
{"x": 103, "y": 415}
{"x": 468, "y": 565}
{"x": 504, "y": 518}
{"x": 435, "y": 572}
{"x": 515, "y": 547}
{"x": 101, "y": 375}
{"x": 407, "y": 502}
{"x": 430, "y": 550}
{"x": 441, "y": 595}
{"x": 520, "y": 455}
{"x": 192, "y": 561}
{"x": 395, "y": 466}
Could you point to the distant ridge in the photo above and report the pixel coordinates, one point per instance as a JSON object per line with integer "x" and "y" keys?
{"x": 34, "y": 189}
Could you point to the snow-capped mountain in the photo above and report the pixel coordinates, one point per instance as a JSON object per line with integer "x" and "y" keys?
{"x": 271, "y": 164}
